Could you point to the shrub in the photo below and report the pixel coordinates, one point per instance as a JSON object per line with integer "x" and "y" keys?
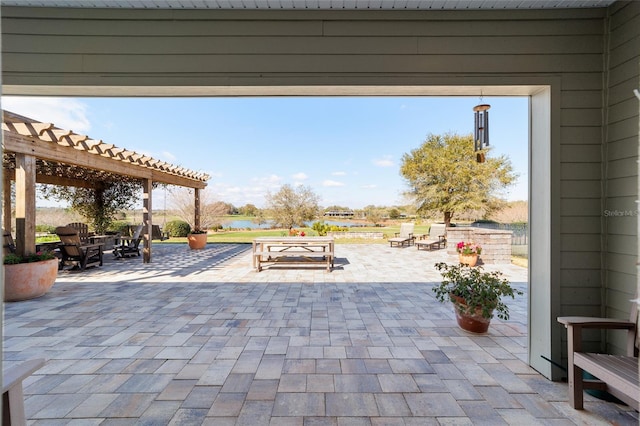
{"x": 49, "y": 229}
{"x": 177, "y": 228}
{"x": 121, "y": 226}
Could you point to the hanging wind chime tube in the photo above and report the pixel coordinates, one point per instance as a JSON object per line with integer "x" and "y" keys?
{"x": 481, "y": 130}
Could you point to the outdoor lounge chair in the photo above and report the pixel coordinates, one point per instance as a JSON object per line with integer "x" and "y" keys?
{"x": 436, "y": 238}
{"x": 129, "y": 246}
{"x": 73, "y": 251}
{"x": 404, "y": 237}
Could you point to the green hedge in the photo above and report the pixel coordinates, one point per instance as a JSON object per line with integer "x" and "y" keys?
{"x": 177, "y": 228}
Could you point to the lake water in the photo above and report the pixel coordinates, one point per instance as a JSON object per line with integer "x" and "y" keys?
{"x": 243, "y": 224}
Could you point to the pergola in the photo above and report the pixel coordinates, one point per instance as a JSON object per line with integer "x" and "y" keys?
{"x": 36, "y": 152}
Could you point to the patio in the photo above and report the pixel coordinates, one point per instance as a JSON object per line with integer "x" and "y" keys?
{"x": 198, "y": 337}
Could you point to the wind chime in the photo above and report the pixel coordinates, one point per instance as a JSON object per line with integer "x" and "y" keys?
{"x": 481, "y": 130}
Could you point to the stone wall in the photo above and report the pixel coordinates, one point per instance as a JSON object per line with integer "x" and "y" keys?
{"x": 496, "y": 244}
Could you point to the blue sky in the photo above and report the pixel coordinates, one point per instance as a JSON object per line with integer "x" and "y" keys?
{"x": 347, "y": 149}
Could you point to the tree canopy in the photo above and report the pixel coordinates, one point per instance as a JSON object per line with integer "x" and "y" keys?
{"x": 293, "y": 206}
{"x": 443, "y": 175}
{"x": 183, "y": 202}
{"x": 97, "y": 205}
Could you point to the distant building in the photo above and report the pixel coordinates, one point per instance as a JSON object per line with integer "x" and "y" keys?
{"x": 340, "y": 213}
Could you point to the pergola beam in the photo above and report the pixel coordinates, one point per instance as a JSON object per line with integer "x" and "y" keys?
{"x": 54, "y": 180}
{"x": 69, "y": 155}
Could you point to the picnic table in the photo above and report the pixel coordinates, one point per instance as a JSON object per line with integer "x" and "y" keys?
{"x": 279, "y": 250}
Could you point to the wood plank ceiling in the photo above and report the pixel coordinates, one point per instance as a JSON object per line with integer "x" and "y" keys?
{"x": 315, "y": 4}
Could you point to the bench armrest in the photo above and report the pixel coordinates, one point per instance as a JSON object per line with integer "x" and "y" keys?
{"x": 594, "y": 322}
{"x": 15, "y": 375}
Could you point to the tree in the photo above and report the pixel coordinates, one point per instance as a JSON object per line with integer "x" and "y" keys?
{"x": 394, "y": 213}
{"x": 97, "y": 205}
{"x": 249, "y": 210}
{"x": 443, "y": 175}
{"x": 374, "y": 214}
{"x": 182, "y": 201}
{"x": 292, "y": 207}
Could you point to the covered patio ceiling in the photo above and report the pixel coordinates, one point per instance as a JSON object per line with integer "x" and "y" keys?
{"x": 37, "y": 152}
{"x": 317, "y": 4}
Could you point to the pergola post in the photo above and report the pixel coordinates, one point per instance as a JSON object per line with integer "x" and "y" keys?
{"x": 196, "y": 215}
{"x": 25, "y": 204}
{"x": 6, "y": 200}
{"x": 147, "y": 188}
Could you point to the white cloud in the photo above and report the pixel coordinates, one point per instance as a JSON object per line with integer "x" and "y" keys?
{"x": 65, "y": 113}
{"x": 371, "y": 186}
{"x": 385, "y": 161}
{"x": 339, "y": 173}
{"x": 332, "y": 183}
{"x": 168, "y": 156}
{"x": 253, "y": 193}
{"x": 300, "y": 176}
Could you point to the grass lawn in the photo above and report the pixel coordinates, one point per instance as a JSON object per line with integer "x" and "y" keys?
{"x": 243, "y": 236}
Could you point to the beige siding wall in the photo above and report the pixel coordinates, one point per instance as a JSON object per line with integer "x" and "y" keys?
{"x": 621, "y": 165}
{"x": 564, "y": 49}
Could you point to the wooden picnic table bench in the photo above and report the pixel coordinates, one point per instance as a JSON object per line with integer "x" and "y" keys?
{"x": 278, "y": 250}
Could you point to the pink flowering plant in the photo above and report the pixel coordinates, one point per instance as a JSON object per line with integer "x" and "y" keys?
{"x": 468, "y": 248}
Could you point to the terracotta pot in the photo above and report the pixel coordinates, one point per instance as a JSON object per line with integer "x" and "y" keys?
{"x": 197, "y": 241}
{"x": 25, "y": 281}
{"x": 469, "y": 319}
{"x": 468, "y": 259}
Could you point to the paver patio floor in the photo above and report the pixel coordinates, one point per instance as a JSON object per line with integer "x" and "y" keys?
{"x": 199, "y": 337}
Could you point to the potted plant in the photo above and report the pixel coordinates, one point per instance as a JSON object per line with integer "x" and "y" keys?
{"x": 197, "y": 239}
{"x": 468, "y": 252}
{"x": 30, "y": 276}
{"x": 475, "y": 294}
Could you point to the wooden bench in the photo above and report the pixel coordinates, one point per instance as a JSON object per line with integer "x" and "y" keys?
{"x": 292, "y": 256}
{"x": 616, "y": 374}
{"x": 12, "y": 394}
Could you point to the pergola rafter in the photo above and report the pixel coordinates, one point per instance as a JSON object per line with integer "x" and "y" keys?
{"x": 36, "y": 152}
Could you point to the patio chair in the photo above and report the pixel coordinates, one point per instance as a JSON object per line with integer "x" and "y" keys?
{"x": 8, "y": 245}
{"x": 437, "y": 238}
{"x": 83, "y": 231}
{"x": 74, "y": 251}
{"x": 404, "y": 237}
{"x": 129, "y": 246}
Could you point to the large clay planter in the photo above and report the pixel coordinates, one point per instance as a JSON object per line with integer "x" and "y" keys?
{"x": 468, "y": 259}
{"x": 25, "y": 281}
{"x": 197, "y": 241}
{"x": 469, "y": 319}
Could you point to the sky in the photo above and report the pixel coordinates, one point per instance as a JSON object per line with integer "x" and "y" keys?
{"x": 347, "y": 149}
